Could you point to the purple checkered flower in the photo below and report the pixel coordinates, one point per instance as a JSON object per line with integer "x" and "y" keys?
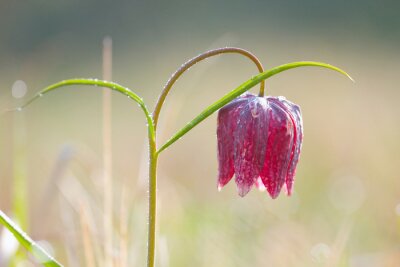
{"x": 259, "y": 140}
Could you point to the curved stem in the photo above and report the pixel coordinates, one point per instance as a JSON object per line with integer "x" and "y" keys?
{"x": 195, "y": 60}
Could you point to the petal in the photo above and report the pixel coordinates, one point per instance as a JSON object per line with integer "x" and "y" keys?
{"x": 279, "y": 147}
{"x": 249, "y": 147}
{"x": 226, "y": 125}
{"x": 295, "y": 115}
{"x": 261, "y": 121}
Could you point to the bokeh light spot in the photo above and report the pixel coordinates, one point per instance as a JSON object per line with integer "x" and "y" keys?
{"x": 19, "y": 89}
{"x": 347, "y": 193}
{"x": 320, "y": 252}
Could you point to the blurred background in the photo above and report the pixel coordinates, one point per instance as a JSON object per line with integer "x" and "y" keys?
{"x": 345, "y": 210}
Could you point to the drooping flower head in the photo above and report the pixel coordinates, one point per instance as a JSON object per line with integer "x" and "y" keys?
{"x": 259, "y": 141}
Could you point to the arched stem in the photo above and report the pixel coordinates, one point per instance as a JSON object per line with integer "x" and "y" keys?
{"x": 193, "y": 61}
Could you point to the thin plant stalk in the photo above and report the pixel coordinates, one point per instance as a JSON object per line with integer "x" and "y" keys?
{"x": 86, "y": 237}
{"x": 153, "y": 159}
{"x": 107, "y": 155}
{"x": 123, "y": 229}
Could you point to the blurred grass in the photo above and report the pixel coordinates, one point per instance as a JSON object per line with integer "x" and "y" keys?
{"x": 343, "y": 211}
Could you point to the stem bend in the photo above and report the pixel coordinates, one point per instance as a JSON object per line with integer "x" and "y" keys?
{"x": 193, "y": 61}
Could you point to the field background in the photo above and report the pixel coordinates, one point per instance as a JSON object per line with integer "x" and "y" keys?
{"x": 345, "y": 210}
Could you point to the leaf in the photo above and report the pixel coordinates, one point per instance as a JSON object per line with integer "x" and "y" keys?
{"x": 240, "y": 90}
{"x": 94, "y": 82}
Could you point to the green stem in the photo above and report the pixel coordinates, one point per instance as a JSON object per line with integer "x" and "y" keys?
{"x": 153, "y": 157}
{"x": 195, "y": 60}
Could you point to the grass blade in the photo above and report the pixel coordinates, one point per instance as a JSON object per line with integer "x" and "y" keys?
{"x": 38, "y": 252}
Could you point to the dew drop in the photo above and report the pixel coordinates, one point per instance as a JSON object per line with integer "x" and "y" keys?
{"x": 40, "y": 94}
{"x": 19, "y": 109}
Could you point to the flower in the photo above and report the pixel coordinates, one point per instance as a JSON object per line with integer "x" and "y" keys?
{"x": 259, "y": 140}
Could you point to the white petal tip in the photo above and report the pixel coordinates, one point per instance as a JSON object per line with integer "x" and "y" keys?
{"x": 219, "y": 187}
